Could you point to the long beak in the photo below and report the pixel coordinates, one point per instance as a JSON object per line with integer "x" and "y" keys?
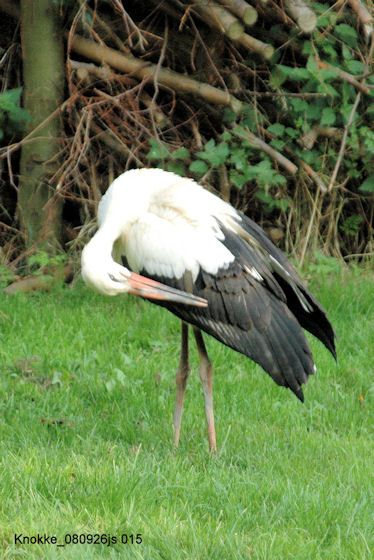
{"x": 150, "y": 289}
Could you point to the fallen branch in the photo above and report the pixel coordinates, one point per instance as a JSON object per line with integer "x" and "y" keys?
{"x": 224, "y": 22}
{"x": 364, "y": 16}
{"x": 260, "y": 144}
{"x": 263, "y": 49}
{"x": 143, "y": 70}
{"x": 304, "y": 16}
{"x": 309, "y": 171}
{"x": 147, "y": 71}
{"x": 308, "y": 139}
{"x": 313, "y": 175}
{"x": 241, "y": 9}
{"x": 43, "y": 282}
{"x": 344, "y": 76}
{"x": 219, "y": 18}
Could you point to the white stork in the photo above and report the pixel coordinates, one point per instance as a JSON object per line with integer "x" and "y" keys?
{"x": 171, "y": 230}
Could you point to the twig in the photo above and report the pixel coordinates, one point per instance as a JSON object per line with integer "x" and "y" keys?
{"x": 309, "y": 230}
{"x": 344, "y": 141}
{"x": 344, "y": 76}
{"x": 305, "y": 95}
{"x": 314, "y": 176}
{"x": 260, "y": 144}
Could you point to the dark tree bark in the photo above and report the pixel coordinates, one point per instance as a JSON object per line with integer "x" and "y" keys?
{"x": 39, "y": 209}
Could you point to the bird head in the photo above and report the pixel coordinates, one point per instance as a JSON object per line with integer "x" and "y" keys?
{"x": 110, "y": 278}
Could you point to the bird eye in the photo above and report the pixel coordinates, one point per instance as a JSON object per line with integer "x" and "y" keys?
{"x": 113, "y": 278}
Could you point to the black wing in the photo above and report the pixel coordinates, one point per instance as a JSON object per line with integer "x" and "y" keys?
{"x": 256, "y": 306}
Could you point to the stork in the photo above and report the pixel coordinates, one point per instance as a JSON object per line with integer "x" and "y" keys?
{"x": 165, "y": 238}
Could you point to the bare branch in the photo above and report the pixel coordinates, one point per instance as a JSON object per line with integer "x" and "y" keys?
{"x": 304, "y": 16}
{"x": 241, "y": 9}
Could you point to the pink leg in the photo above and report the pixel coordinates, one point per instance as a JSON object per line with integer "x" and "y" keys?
{"x": 181, "y": 382}
{"x": 207, "y": 383}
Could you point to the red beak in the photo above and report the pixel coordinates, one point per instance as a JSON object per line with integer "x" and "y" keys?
{"x": 150, "y": 289}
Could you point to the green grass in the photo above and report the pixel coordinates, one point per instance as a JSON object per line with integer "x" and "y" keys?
{"x": 86, "y": 397}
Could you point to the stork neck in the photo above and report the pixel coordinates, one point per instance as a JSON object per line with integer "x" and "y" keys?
{"x": 103, "y": 241}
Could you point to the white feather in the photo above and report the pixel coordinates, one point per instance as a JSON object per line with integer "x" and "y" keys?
{"x": 167, "y": 224}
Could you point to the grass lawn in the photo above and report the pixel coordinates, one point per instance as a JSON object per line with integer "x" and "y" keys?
{"x": 86, "y": 397}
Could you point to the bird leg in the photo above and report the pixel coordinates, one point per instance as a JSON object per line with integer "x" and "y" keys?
{"x": 181, "y": 382}
{"x": 207, "y": 383}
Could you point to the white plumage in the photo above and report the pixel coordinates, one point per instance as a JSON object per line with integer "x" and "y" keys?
{"x": 162, "y": 219}
{"x": 218, "y": 272}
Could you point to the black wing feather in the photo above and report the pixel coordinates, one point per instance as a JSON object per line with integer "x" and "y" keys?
{"x": 259, "y": 318}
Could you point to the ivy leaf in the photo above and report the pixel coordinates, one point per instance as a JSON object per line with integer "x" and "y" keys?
{"x": 347, "y": 34}
{"x": 10, "y": 105}
{"x": 327, "y": 89}
{"x": 214, "y": 154}
{"x": 158, "y": 151}
{"x": 180, "y": 153}
{"x": 299, "y": 105}
{"x": 277, "y": 129}
{"x": 199, "y": 167}
{"x": 367, "y": 185}
{"x": 10, "y": 99}
{"x": 237, "y": 178}
{"x": 277, "y": 144}
{"x": 314, "y": 111}
{"x": 292, "y": 132}
{"x": 355, "y": 66}
{"x": 328, "y": 117}
{"x": 292, "y": 73}
{"x": 346, "y": 52}
{"x": 277, "y": 78}
{"x": 176, "y": 167}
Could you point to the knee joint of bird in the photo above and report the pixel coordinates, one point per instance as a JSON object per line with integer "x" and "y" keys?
{"x": 182, "y": 375}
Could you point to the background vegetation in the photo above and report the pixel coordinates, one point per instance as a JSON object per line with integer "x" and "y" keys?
{"x": 276, "y": 115}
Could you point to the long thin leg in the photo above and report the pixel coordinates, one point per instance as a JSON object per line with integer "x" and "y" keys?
{"x": 207, "y": 383}
{"x": 181, "y": 382}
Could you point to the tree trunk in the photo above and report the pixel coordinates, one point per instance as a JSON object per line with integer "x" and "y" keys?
{"x": 39, "y": 209}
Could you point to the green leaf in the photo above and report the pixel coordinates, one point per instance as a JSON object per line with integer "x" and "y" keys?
{"x": 346, "y": 52}
{"x": 237, "y": 178}
{"x": 214, "y": 154}
{"x": 277, "y": 129}
{"x": 292, "y": 73}
{"x": 199, "y": 167}
{"x": 292, "y": 132}
{"x": 327, "y": 89}
{"x": 299, "y": 105}
{"x": 347, "y": 34}
{"x": 180, "y": 153}
{"x": 239, "y": 157}
{"x": 307, "y": 48}
{"x": 176, "y": 167}
{"x": 314, "y": 111}
{"x": 278, "y": 144}
{"x": 158, "y": 151}
{"x": 354, "y": 66}
{"x": 312, "y": 65}
{"x": 10, "y": 99}
{"x": 277, "y": 78}
{"x": 10, "y": 106}
{"x": 367, "y": 185}
{"x": 328, "y": 117}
